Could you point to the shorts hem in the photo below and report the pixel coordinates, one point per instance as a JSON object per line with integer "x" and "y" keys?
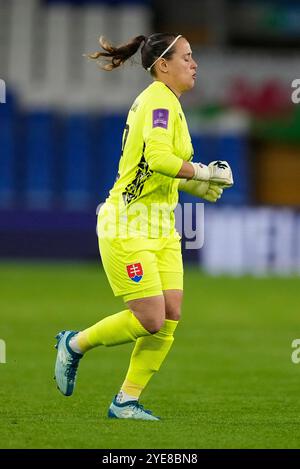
{"x": 140, "y": 294}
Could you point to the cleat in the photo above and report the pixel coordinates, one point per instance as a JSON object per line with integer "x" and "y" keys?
{"x": 129, "y": 410}
{"x": 66, "y": 364}
{"x": 58, "y": 337}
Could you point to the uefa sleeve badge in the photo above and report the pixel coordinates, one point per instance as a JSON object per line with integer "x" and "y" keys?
{"x": 160, "y": 118}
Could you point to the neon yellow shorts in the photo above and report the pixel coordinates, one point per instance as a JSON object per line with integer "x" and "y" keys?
{"x": 141, "y": 267}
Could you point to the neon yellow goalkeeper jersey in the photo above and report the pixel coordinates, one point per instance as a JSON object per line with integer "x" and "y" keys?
{"x": 155, "y": 141}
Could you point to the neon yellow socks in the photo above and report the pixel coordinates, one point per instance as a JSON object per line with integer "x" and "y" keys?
{"x": 148, "y": 354}
{"x": 147, "y": 357}
{"x": 116, "y": 329}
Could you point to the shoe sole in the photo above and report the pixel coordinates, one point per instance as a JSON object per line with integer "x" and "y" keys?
{"x": 58, "y": 337}
{"x": 111, "y": 415}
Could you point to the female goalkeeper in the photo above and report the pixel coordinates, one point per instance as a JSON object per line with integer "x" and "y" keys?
{"x": 139, "y": 245}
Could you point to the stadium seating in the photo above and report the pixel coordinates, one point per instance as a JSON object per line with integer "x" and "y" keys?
{"x": 38, "y": 154}
{"x": 7, "y": 159}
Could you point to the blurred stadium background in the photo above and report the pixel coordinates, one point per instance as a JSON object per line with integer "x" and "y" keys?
{"x": 61, "y": 127}
{"x": 60, "y": 137}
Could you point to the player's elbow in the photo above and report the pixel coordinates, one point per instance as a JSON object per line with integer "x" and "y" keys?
{"x": 161, "y": 163}
{"x": 154, "y": 164}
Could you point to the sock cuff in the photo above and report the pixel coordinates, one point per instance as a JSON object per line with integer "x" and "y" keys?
{"x": 138, "y": 327}
{"x": 132, "y": 389}
{"x": 82, "y": 340}
{"x": 169, "y": 327}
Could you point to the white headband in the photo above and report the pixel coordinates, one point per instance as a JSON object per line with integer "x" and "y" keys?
{"x": 168, "y": 48}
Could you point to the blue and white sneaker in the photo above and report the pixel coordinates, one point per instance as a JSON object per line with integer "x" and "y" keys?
{"x": 66, "y": 363}
{"x": 129, "y": 410}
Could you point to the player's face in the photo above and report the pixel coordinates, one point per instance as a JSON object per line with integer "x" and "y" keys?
{"x": 182, "y": 67}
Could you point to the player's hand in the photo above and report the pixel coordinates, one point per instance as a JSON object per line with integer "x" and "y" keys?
{"x": 217, "y": 171}
{"x": 220, "y": 173}
{"x": 204, "y": 189}
{"x": 213, "y": 193}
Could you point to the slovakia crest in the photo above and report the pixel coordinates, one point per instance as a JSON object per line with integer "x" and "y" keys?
{"x": 135, "y": 271}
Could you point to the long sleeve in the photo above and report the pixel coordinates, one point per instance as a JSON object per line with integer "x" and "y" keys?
{"x": 158, "y": 134}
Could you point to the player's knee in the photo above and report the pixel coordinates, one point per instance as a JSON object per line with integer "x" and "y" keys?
{"x": 173, "y": 313}
{"x": 153, "y": 325}
{"x": 151, "y": 314}
{"x": 173, "y": 301}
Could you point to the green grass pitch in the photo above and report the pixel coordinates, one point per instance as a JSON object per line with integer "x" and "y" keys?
{"x": 228, "y": 382}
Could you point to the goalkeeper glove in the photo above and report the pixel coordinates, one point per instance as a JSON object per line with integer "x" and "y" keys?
{"x": 205, "y": 189}
{"x": 217, "y": 171}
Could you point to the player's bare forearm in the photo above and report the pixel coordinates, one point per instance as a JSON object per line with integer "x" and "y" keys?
{"x": 186, "y": 171}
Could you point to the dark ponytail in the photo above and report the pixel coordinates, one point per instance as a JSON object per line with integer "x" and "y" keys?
{"x": 152, "y": 48}
{"x": 116, "y": 56}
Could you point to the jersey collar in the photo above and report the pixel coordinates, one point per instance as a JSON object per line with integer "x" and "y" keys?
{"x": 166, "y": 86}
